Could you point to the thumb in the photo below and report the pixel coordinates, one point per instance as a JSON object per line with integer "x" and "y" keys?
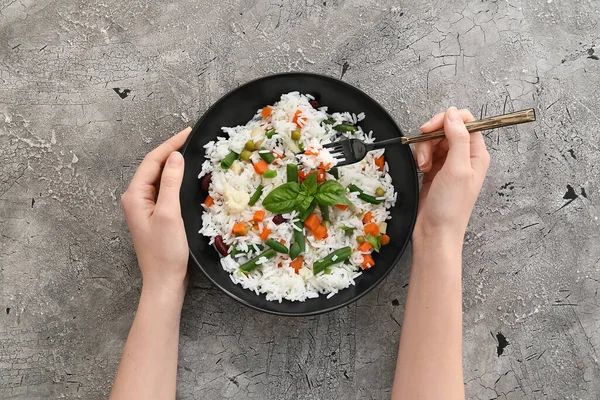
{"x": 459, "y": 141}
{"x": 170, "y": 183}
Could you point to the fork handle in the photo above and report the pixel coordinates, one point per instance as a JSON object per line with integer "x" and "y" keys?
{"x": 515, "y": 118}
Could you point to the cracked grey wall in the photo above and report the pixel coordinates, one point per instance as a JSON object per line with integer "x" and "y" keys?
{"x": 88, "y": 88}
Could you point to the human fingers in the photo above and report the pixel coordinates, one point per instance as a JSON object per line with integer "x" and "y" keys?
{"x": 167, "y": 203}
{"x": 148, "y": 173}
{"x": 423, "y": 151}
{"x": 459, "y": 142}
{"x": 480, "y": 157}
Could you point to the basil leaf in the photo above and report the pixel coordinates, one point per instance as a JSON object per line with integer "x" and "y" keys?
{"x": 303, "y": 215}
{"x": 282, "y": 199}
{"x": 309, "y": 186}
{"x": 375, "y": 241}
{"x": 332, "y": 193}
{"x": 303, "y": 202}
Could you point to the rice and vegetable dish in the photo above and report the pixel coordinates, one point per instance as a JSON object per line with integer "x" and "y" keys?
{"x": 287, "y": 222}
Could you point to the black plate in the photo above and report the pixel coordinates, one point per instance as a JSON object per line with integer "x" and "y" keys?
{"x": 237, "y": 108}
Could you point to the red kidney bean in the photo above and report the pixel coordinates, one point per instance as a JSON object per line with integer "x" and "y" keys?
{"x": 278, "y": 219}
{"x": 314, "y": 103}
{"x": 222, "y": 248}
{"x": 205, "y": 181}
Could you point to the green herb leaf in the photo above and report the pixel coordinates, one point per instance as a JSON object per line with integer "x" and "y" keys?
{"x": 304, "y": 214}
{"x": 303, "y": 202}
{"x": 282, "y": 199}
{"x": 375, "y": 241}
{"x": 332, "y": 193}
{"x": 309, "y": 186}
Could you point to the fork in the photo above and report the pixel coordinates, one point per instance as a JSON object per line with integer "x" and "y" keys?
{"x": 351, "y": 151}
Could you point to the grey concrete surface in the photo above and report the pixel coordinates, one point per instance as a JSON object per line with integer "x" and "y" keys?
{"x": 87, "y": 88}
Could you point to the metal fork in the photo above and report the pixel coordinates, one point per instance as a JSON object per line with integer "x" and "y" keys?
{"x": 351, "y": 151}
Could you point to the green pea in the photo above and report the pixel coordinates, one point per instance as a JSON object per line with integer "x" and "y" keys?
{"x": 296, "y": 134}
{"x": 379, "y": 192}
{"x": 360, "y": 239}
{"x": 245, "y": 155}
{"x": 249, "y": 145}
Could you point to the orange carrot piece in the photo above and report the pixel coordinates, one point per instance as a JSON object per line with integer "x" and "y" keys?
{"x": 239, "y": 229}
{"x": 255, "y": 227}
{"x": 264, "y": 235}
{"x": 320, "y": 232}
{"x": 367, "y": 261}
{"x": 282, "y": 241}
{"x": 297, "y": 263}
{"x": 366, "y": 246}
{"x": 321, "y": 175}
{"x": 326, "y": 167}
{"x": 385, "y": 239}
{"x": 260, "y": 167}
{"x": 209, "y": 201}
{"x": 342, "y": 206}
{"x": 312, "y": 222}
{"x": 266, "y": 112}
{"x": 380, "y": 162}
{"x": 296, "y": 118}
{"x": 368, "y": 217}
{"x": 311, "y": 152}
{"x": 259, "y": 215}
{"x": 372, "y": 229}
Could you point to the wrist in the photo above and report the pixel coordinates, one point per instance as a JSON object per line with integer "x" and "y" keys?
{"x": 164, "y": 295}
{"x": 443, "y": 240}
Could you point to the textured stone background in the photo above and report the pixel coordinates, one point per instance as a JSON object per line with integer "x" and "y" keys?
{"x": 87, "y": 88}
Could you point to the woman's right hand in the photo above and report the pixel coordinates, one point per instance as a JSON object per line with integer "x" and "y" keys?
{"x": 454, "y": 168}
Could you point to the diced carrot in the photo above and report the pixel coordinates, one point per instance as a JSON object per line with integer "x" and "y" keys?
{"x": 280, "y": 156}
{"x": 368, "y": 217}
{"x": 261, "y": 166}
{"x": 264, "y": 235}
{"x": 321, "y": 175}
{"x": 312, "y": 222}
{"x": 282, "y": 241}
{"x": 312, "y": 152}
{"x": 366, "y": 246}
{"x": 326, "y": 167}
{"x": 209, "y": 201}
{"x": 380, "y": 162}
{"x": 367, "y": 261}
{"x": 372, "y": 229}
{"x": 297, "y": 263}
{"x": 255, "y": 227}
{"x": 297, "y": 119}
{"x": 266, "y": 112}
{"x": 239, "y": 229}
{"x": 259, "y": 215}
{"x": 385, "y": 239}
{"x": 280, "y": 264}
{"x": 320, "y": 232}
{"x": 342, "y": 206}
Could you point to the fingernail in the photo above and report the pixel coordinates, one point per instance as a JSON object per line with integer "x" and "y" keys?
{"x": 175, "y": 159}
{"x": 452, "y": 115}
{"x": 421, "y": 160}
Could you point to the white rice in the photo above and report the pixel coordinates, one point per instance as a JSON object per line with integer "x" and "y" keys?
{"x": 275, "y": 278}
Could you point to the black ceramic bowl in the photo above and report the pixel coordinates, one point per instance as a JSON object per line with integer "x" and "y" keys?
{"x": 237, "y": 108}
